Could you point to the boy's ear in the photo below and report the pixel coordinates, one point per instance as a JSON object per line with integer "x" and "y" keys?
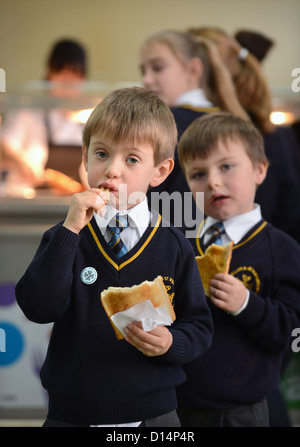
{"x": 162, "y": 172}
{"x": 261, "y": 172}
{"x": 85, "y": 157}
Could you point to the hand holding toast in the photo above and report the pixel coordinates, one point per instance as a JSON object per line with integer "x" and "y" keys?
{"x": 227, "y": 292}
{"x": 82, "y": 207}
{"x": 153, "y": 343}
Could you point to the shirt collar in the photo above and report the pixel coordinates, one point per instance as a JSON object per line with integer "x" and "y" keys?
{"x": 194, "y": 98}
{"x": 138, "y": 216}
{"x": 237, "y": 226}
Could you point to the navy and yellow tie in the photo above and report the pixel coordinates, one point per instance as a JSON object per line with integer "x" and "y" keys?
{"x": 218, "y": 229}
{"x": 117, "y": 225}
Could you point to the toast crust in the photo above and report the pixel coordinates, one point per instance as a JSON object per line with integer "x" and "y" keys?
{"x": 106, "y": 193}
{"x": 118, "y": 299}
{"x": 216, "y": 259}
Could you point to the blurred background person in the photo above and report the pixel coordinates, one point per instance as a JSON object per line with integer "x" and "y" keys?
{"x": 256, "y": 43}
{"x": 279, "y": 193}
{"x": 189, "y": 75}
{"x": 34, "y": 140}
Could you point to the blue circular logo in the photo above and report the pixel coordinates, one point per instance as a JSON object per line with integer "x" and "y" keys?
{"x": 11, "y": 343}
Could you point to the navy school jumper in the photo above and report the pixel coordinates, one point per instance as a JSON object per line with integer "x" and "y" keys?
{"x": 91, "y": 377}
{"x": 248, "y": 351}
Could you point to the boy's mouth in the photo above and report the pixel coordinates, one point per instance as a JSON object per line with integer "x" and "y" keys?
{"x": 110, "y": 186}
{"x": 217, "y": 199}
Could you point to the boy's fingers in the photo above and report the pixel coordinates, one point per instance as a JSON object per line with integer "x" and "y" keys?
{"x": 217, "y": 284}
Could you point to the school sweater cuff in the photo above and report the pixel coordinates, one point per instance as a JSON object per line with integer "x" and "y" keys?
{"x": 243, "y": 306}
{"x": 64, "y": 242}
{"x": 177, "y": 353}
{"x": 251, "y": 316}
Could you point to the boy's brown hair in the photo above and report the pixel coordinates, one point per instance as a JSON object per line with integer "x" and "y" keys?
{"x": 135, "y": 115}
{"x": 201, "y": 137}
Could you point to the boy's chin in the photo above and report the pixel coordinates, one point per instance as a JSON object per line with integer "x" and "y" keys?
{"x": 123, "y": 205}
{"x": 219, "y": 215}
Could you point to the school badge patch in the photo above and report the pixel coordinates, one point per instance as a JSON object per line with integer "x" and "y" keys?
{"x": 169, "y": 285}
{"x": 249, "y": 277}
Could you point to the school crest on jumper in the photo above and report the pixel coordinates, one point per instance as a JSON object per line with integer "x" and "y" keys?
{"x": 169, "y": 285}
{"x": 249, "y": 277}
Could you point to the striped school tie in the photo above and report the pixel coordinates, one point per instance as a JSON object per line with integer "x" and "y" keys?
{"x": 116, "y": 226}
{"x": 218, "y": 230}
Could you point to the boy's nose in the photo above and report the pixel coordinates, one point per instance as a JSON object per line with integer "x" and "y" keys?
{"x": 113, "y": 170}
{"x": 213, "y": 180}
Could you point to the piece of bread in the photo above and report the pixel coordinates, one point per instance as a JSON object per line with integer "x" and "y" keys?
{"x": 117, "y": 299}
{"x": 216, "y": 259}
{"x": 106, "y": 193}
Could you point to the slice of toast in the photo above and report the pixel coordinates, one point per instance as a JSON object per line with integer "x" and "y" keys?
{"x": 117, "y": 299}
{"x": 106, "y": 193}
{"x": 216, "y": 259}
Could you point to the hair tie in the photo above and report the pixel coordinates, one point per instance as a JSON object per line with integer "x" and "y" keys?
{"x": 243, "y": 53}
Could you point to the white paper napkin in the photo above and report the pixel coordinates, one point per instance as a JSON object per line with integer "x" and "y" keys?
{"x": 150, "y": 316}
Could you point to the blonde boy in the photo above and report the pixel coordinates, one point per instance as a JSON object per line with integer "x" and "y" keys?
{"x": 93, "y": 378}
{"x": 256, "y": 306}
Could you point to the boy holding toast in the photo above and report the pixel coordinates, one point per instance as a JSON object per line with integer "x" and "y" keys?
{"x": 92, "y": 377}
{"x": 256, "y": 305}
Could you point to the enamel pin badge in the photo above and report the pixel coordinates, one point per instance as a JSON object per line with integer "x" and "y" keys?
{"x": 88, "y": 275}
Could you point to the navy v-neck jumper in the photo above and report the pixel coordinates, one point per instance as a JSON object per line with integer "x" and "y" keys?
{"x": 91, "y": 377}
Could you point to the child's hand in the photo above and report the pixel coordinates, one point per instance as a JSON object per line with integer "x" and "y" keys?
{"x": 227, "y": 292}
{"x": 82, "y": 207}
{"x": 152, "y": 343}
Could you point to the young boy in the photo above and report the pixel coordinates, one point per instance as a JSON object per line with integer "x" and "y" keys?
{"x": 257, "y": 305}
{"x": 93, "y": 378}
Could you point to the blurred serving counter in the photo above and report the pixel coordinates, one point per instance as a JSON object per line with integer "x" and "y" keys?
{"x": 44, "y": 209}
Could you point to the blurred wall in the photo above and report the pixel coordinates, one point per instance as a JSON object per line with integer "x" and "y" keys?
{"x": 113, "y": 31}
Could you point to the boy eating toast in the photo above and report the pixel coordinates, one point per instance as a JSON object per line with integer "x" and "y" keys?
{"x": 256, "y": 305}
{"x": 91, "y": 377}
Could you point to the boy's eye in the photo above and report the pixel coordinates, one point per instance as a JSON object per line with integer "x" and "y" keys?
{"x": 132, "y": 160}
{"x": 101, "y": 154}
{"x": 198, "y": 175}
{"x": 226, "y": 166}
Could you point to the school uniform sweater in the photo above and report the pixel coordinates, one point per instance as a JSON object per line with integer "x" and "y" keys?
{"x": 91, "y": 377}
{"x": 244, "y": 361}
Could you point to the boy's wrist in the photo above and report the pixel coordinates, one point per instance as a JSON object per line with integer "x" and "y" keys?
{"x": 243, "y": 306}
{"x": 70, "y": 228}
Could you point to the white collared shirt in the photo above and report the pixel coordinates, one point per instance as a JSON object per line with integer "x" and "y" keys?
{"x": 138, "y": 218}
{"x": 194, "y": 98}
{"x": 235, "y": 229}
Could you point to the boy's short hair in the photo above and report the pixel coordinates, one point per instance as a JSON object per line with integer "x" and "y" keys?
{"x": 135, "y": 115}
{"x": 201, "y": 137}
